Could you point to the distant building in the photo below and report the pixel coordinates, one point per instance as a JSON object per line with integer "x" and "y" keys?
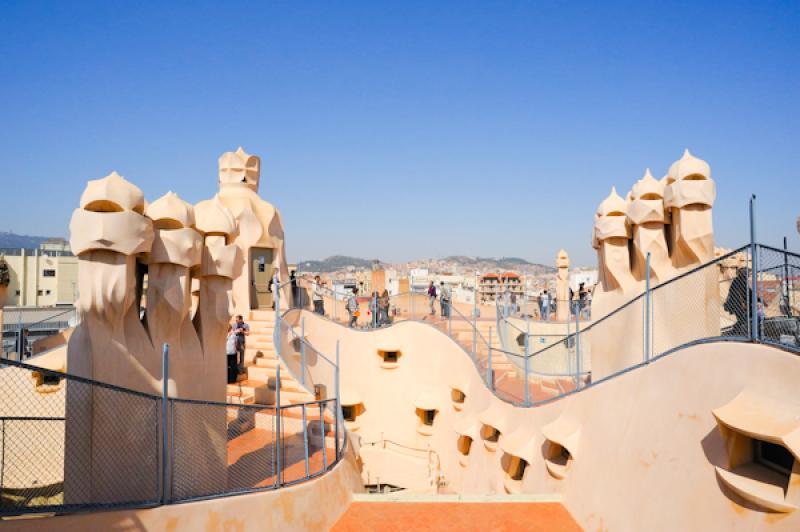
{"x": 494, "y": 285}
{"x": 587, "y": 277}
{"x": 43, "y": 277}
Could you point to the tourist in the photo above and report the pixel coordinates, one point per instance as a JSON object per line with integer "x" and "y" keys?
{"x": 544, "y": 303}
{"x": 444, "y": 300}
{"x": 230, "y": 351}
{"x": 352, "y": 308}
{"x": 373, "y": 307}
{"x": 432, "y": 297}
{"x": 242, "y": 330}
{"x": 316, "y": 297}
{"x": 738, "y": 303}
{"x": 295, "y": 303}
{"x": 383, "y": 308}
{"x": 581, "y": 298}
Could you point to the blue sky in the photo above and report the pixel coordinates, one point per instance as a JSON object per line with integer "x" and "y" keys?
{"x": 409, "y": 129}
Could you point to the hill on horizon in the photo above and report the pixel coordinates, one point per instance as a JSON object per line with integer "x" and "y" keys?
{"x": 13, "y": 240}
{"x": 339, "y": 262}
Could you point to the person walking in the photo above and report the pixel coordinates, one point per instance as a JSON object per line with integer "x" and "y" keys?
{"x": 352, "y": 308}
{"x": 230, "y": 351}
{"x": 242, "y": 331}
{"x": 316, "y": 297}
{"x": 432, "y": 297}
{"x": 444, "y": 300}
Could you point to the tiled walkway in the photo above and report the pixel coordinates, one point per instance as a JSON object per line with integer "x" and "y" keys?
{"x": 461, "y": 516}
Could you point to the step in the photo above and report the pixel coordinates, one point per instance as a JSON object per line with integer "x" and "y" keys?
{"x": 292, "y": 421}
{"x": 264, "y": 346}
{"x": 239, "y": 398}
{"x": 266, "y": 314}
{"x": 266, "y": 362}
{"x": 295, "y": 397}
{"x": 258, "y": 390}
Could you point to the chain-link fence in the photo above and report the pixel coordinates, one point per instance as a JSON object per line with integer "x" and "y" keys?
{"x": 70, "y": 443}
{"x": 73, "y": 444}
{"x": 778, "y": 296}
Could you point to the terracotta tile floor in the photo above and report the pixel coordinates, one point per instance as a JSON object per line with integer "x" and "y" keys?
{"x": 461, "y": 516}
{"x": 251, "y": 459}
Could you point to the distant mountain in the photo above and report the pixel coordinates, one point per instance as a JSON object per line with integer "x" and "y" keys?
{"x": 12, "y": 240}
{"x": 332, "y": 264}
{"x": 502, "y": 263}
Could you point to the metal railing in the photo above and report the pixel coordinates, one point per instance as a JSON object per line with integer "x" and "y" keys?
{"x": 70, "y": 444}
{"x": 712, "y": 302}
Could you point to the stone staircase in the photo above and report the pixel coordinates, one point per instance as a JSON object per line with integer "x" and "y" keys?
{"x": 257, "y": 385}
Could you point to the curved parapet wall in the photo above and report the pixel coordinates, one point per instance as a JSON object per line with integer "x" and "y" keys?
{"x": 633, "y": 452}
{"x": 313, "y": 505}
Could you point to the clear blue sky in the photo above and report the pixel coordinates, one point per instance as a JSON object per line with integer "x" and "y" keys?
{"x": 409, "y": 129}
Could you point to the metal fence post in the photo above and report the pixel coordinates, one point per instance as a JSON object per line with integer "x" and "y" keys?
{"x": 577, "y": 347}
{"x": 526, "y": 384}
{"x": 449, "y": 319}
{"x": 333, "y": 298}
{"x": 338, "y": 407}
{"x": 754, "y": 325}
{"x": 489, "y": 369}
{"x": 646, "y": 332}
{"x": 303, "y": 351}
{"x": 305, "y": 440}
{"x": 475, "y": 319}
{"x": 786, "y": 279}
{"x": 322, "y": 436}
{"x": 277, "y": 335}
{"x": 278, "y": 430}
{"x": 3, "y": 459}
{"x": 165, "y": 459}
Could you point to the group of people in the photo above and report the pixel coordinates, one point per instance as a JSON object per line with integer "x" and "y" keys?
{"x": 379, "y": 305}
{"x": 444, "y": 296}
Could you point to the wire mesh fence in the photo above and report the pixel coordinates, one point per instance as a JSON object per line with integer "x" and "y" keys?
{"x": 778, "y": 296}
{"x": 73, "y": 444}
{"x": 69, "y": 443}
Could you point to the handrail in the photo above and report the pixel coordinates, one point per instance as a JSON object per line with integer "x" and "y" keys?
{"x": 644, "y": 296}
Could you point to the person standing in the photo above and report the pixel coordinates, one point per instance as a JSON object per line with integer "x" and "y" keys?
{"x": 374, "y": 306}
{"x": 432, "y": 297}
{"x": 316, "y": 297}
{"x": 544, "y": 301}
{"x": 230, "y": 351}
{"x": 242, "y": 331}
{"x": 352, "y": 308}
{"x": 383, "y": 308}
{"x": 444, "y": 300}
{"x": 295, "y": 303}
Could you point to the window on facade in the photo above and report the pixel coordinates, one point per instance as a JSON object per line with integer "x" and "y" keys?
{"x": 490, "y": 433}
{"x": 48, "y": 273}
{"x": 464, "y": 444}
{"x": 349, "y": 412}
{"x": 39, "y": 292}
{"x": 516, "y": 469}
{"x": 773, "y": 456}
{"x": 457, "y": 396}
